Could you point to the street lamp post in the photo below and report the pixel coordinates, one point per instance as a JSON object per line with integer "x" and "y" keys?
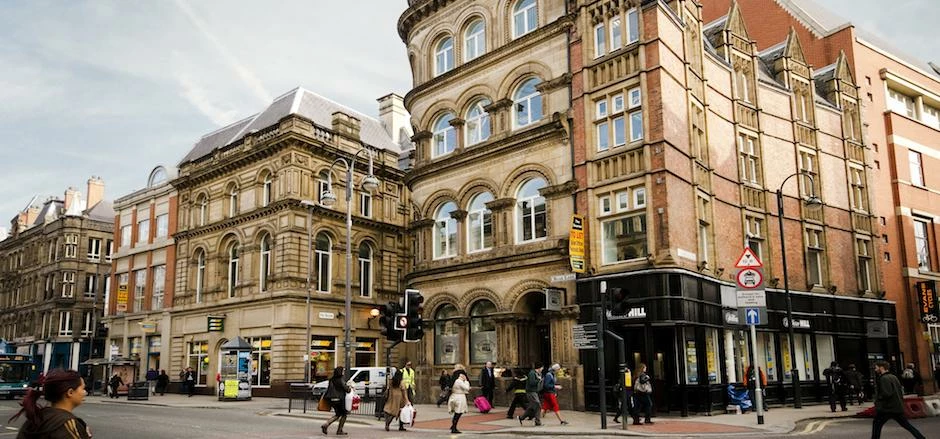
{"x": 328, "y": 199}
{"x": 309, "y": 205}
{"x": 794, "y": 371}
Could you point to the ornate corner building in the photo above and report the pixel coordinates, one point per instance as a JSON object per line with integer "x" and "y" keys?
{"x": 492, "y": 184}
{"x": 51, "y": 271}
{"x": 246, "y": 224}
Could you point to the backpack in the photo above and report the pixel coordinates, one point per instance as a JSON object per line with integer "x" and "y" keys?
{"x": 546, "y": 384}
{"x": 908, "y": 374}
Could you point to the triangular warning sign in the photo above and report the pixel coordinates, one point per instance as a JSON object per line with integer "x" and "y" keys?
{"x": 748, "y": 260}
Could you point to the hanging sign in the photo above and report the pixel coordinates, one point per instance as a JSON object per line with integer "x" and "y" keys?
{"x": 576, "y": 244}
{"x": 927, "y": 301}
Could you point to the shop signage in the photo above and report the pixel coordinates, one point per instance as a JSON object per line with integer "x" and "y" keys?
{"x": 326, "y": 315}
{"x": 731, "y": 318}
{"x": 797, "y": 323}
{"x": 553, "y": 299}
{"x": 216, "y": 323}
{"x": 148, "y": 326}
{"x": 584, "y": 336}
{"x": 927, "y": 301}
{"x": 638, "y": 312}
{"x": 576, "y": 243}
{"x": 122, "y": 298}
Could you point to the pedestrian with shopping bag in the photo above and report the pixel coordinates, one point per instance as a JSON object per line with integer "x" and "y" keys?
{"x": 396, "y": 400}
{"x": 336, "y": 394}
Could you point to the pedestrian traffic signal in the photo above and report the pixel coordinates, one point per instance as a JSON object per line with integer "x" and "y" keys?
{"x": 617, "y": 301}
{"x": 414, "y": 308}
{"x": 387, "y": 321}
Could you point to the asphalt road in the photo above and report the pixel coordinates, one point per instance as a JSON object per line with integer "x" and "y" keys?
{"x": 125, "y": 421}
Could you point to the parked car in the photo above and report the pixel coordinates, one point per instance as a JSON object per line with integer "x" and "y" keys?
{"x": 364, "y": 380}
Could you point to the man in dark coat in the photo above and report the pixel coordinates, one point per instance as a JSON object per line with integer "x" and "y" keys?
{"x": 889, "y": 402}
{"x": 488, "y": 382}
{"x": 838, "y": 385}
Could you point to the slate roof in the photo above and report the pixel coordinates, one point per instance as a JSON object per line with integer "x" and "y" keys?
{"x": 303, "y": 103}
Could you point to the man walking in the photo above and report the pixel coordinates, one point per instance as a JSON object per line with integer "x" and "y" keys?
{"x": 533, "y": 383}
{"x": 837, "y": 381}
{"x": 408, "y": 380}
{"x": 488, "y": 382}
{"x": 152, "y": 380}
{"x": 889, "y": 402}
{"x": 190, "y": 380}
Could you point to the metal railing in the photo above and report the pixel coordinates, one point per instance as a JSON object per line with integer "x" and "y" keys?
{"x": 371, "y": 403}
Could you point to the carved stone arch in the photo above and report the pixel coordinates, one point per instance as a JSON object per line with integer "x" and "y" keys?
{"x": 472, "y": 296}
{"x": 262, "y": 230}
{"x": 364, "y": 237}
{"x": 233, "y": 235}
{"x": 474, "y": 187}
{"x": 435, "y": 200}
{"x": 434, "y": 303}
{"x": 471, "y": 94}
{"x": 330, "y": 231}
{"x": 513, "y": 298}
{"x": 232, "y": 182}
{"x": 506, "y": 7}
{"x": 263, "y": 172}
{"x": 522, "y": 173}
{"x": 201, "y": 193}
{"x": 468, "y": 15}
{"x": 435, "y": 111}
{"x": 519, "y": 74}
{"x": 442, "y": 30}
{"x": 196, "y": 248}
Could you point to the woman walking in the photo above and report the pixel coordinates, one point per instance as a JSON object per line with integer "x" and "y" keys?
{"x": 457, "y": 404}
{"x": 64, "y": 390}
{"x": 550, "y": 389}
{"x": 518, "y": 393}
{"x": 642, "y": 391}
{"x": 444, "y": 382}
{"x": 397, "y": 397}
{"x": 336, "y": 394}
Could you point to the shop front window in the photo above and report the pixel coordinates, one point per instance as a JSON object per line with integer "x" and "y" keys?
{"x": 767, "y": 354}
{"x": 198, "y": 359}
{"x": 711, "y": 355}
{"x": 260, "y": 361}
{"x": 691, "y": 357}
{"x": 366, "y": 352}
{"x": 736, "y": 343}
{"x": 482, "y": 332}
{"x": 322, "y": 357}
{"x": 446, "y": 336}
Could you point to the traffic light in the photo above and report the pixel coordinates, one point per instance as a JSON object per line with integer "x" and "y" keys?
{"x": 414, "y": 307}
{"x": 617, "y": 301}
{"x": 387, "y": 321}
{"x": 101, "y": 331}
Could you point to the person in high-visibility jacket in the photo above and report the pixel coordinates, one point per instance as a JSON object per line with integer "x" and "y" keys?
{"x": 408, "y": 380}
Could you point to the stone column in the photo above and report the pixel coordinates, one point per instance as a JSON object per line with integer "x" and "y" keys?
{"x": 507, "y": 337}
{"x": 499, "y": 117}
{"x": 420, "y": 229}
{"x": 502, "y": 217}
{"x": 458, "y": 125}
{"x": 460, "y": 215}
{"x": 421, "y": 140}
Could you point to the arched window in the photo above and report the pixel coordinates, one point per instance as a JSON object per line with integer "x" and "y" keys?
{"x": 157, "y": 177}
{"x": 200, "y": 275}
{"x": 524, "y": 18}
{"x": 266, "y": 191}
{"x": 445, "y": 232}
{"x": 264, "y": 271}
{"x": 527, "y": 104}
{"x": 445, "y": 137}
{"x": 474, "y": 40}
{"x": 444, "y": 56}
{"x": 323, "y": 245}
{"x": 202, "y": 210}
{"x": 530, "y": 211}
{"x": 323, "y": 184}
{"x": 365, "y": 270}
{"x": 233, "y": 201}
{"x": 482, "y": 332}
{"x": 479, "y": 223}
{"x": 446, "y": 335}
{"x": 478, "y": 122}
{"x": 232, "y": 269}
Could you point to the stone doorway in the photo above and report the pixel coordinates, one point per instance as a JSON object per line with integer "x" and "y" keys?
{"x": 535, "y": 343}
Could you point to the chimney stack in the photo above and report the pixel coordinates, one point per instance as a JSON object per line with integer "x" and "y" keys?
{"x": 395, "y": 118}
{"x": 95, "y": 191}
{"x": 71, "y": 196}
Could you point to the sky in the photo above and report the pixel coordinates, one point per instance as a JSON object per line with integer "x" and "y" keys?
{"x": 113, "y": 88}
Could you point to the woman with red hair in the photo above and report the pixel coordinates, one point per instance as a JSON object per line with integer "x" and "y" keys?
{"x": 64, "y": 390}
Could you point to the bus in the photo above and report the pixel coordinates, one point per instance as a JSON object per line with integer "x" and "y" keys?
{"x": 16, "y": 374}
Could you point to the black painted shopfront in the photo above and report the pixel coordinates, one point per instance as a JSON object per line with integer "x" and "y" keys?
{"x": 684, "y": 327}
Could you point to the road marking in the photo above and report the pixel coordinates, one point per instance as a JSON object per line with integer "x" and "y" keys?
{"x": 808, "y": 429}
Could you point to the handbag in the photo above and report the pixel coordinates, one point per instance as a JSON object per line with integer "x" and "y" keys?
{"x": 406, "y": 415}
{"x": 324, "y": 404}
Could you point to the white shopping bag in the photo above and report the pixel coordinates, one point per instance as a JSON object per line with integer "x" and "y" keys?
{"x": 407, "y": 414}
{"x": 349, "y": 400}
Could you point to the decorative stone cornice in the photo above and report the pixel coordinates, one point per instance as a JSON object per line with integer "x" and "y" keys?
{"x": 498, "y": 105}
{"x": 552, "y": 84}
{"x": 500, "y": 204}
{"x": 457, "y": 122}
{"x": 458, "y": 214}
{"x": 421, "y": 223}
{"x": 559, "y": 190}
{"x": 421, "y": 135}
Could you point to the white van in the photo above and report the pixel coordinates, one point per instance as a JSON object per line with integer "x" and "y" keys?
{"x": 360, "y": 379}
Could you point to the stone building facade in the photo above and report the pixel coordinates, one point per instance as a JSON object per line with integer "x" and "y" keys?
{"x": 716, "y": 129}
{"x": 899, "y": 100}
{"x": 492, "y": 183}
{"x": 51, "y": 271}
{"x": 143, "y": 273}
{"x": 244, "y": 239}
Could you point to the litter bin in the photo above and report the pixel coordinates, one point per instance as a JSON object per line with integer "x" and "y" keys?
{"x": 139, "y": 391}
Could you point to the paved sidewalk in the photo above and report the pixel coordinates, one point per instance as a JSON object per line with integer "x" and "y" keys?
{"x": 780, "y": 420}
